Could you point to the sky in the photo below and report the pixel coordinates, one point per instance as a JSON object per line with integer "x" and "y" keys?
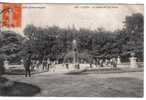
{"x": 109, "y": 17}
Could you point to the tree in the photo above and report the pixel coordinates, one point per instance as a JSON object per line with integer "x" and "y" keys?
{"x": 1, "y": 60}
{"x": 10, "y": 46}
{"x": 131, "y": 37}
{"x": 56, "y": 43}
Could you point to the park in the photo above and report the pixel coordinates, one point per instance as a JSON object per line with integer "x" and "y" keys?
{"x": 69, "y": 62}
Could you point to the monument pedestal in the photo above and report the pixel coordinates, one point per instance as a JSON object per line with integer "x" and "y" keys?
{"x": 118, "y": 60}
{"x": 133, "y": 63}
{"x": 6, "y": 64}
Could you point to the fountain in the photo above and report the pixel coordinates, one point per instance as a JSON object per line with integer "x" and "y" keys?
{"x": 74, "y": 45}
{"x": 74, "y": 51}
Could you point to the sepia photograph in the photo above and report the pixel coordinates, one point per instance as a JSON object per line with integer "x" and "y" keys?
{"x": 71, "y": 50}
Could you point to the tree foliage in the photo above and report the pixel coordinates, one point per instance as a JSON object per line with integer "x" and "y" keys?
{"x": 10, "y": 45}
{"x": 131, "y": 37}
{"x": 55, "y": 43}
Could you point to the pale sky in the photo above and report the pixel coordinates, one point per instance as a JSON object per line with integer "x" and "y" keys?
{"x": 92, "y": 17}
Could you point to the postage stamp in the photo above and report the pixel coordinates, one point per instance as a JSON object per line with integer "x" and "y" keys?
{"x": 11, "y": 15}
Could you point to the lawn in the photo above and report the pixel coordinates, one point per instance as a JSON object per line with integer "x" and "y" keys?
{"x": 12, "y": 88}
{"x": 86, "y": 85}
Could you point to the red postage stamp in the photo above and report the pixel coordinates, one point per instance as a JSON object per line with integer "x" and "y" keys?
{"x": 11, "y": 16}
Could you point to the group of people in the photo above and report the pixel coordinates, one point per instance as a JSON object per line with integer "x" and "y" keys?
{"x": 32, "y": 65}
{"x": 100, "y": 62}
{"x": 107, "y": 62}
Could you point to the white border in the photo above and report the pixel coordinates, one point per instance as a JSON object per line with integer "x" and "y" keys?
{"x": 76, "y": 1}
{"x": 73, "y": 1}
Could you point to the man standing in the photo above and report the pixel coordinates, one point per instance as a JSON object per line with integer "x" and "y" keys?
{"x": 27, "y": 64}
{"x": 44, "y": 63}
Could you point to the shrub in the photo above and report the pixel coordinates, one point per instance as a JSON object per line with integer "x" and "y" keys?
{"x": 1, "y": 67}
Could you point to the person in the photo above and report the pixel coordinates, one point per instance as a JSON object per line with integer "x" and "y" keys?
{"x": 78, "y": 66}
{"x": 114, "y": 62}
{"x": 48, "y": 64}
{"x": 27, "y": 64}
{"x": 90, "y": 65}
{"x": 37, "y": 65}
{"x": 32, "y": 65}
{"x": 44, "y": 63}
{"x": 96, "y": 63}
{"x": 101, "y": 63}
{"x": 67, "y": 66}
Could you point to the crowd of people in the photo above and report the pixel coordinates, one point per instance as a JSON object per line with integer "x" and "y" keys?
{"x": 46, "y": 64}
